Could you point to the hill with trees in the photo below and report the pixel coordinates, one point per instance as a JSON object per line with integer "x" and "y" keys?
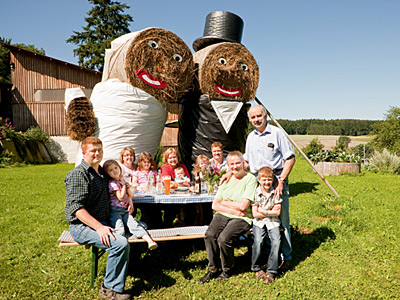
{"x": 351, "y": 127}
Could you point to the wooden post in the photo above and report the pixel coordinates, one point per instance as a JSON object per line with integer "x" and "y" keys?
{"x": 298, "y": 148}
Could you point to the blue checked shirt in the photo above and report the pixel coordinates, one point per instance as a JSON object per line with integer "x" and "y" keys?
{"x": 85, "y": 188}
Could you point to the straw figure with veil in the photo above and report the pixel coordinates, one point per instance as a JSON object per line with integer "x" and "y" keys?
{"x": 144, "y": 72}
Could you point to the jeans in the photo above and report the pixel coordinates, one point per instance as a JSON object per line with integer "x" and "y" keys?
{"x": 260, "y": 235}
{"x": 219, "y": 239}
{"x": 120, "y": 218}
{"x": 118, "y": 257}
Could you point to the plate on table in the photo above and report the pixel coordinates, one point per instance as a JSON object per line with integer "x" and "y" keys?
{"x": 182, "y": 189}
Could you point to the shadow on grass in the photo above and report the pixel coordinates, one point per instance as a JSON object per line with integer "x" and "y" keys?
{"x": 305, "y": 241}
{"x": 151, "y": 267}
{"x": 302, "y": 187}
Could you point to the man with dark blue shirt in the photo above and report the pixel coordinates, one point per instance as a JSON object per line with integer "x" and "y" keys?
{"x": 88, "y": 212}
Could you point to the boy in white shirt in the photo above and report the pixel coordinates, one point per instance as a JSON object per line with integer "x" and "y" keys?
{"x": 266, "y": 210}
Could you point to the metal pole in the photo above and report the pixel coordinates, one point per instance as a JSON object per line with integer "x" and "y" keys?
{"x": 298, "y": 148}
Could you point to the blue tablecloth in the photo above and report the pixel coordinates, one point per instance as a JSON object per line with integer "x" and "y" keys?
{"x": 174, "y": 199}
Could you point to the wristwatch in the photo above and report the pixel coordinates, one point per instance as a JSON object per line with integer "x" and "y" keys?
{"x": 281, "y": 178}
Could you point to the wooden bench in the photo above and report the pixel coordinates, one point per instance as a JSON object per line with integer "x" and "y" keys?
{"x": 158, "y": 235}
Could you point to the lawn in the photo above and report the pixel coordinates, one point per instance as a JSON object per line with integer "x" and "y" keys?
{"x": 343, "y": 248}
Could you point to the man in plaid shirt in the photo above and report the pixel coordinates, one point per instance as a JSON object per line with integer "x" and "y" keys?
{"x": 88, "y": 212}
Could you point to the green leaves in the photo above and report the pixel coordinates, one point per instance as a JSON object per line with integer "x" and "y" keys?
{"x": 105, "y": 22}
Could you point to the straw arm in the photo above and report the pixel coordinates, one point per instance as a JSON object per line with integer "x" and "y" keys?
{"x": 298, "y": 148}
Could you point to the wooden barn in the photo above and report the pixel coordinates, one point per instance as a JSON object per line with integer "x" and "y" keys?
{"x": 38, "y": 87}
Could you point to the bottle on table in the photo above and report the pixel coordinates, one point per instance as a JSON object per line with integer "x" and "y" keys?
{"x": 159, "y": 184}
{"x": 197, "y": 184}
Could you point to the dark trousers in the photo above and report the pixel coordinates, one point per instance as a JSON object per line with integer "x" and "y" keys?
{"x": 219, "y": 240}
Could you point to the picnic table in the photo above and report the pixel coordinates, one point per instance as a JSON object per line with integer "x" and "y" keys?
{"x": 165, "y": 234}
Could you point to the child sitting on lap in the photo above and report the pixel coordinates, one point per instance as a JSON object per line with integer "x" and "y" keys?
{"x": 120, "y": 197}
{"x": 180, "y": 177}
{"x": 266, "y": 224}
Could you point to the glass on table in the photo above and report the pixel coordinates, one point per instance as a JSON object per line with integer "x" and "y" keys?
{"x": 167, "y": 184}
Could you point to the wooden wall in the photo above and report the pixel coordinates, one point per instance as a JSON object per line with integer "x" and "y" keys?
{"x": 32, "y": 72}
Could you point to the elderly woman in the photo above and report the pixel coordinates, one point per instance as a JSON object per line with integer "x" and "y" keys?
{"x": 232, "y": 218}
{"x": 127, "y": 162}
{"x": 172, "y": 212}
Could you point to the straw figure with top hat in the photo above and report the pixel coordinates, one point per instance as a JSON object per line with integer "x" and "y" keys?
{"x": 144, "y": 72}
{"x": 226, "y": 78}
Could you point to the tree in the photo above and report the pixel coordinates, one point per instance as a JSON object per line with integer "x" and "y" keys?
{"x": 105, "y": 22}
{"x": 387, "y": 133}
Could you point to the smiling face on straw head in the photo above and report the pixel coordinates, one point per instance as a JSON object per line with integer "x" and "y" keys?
{"x": 229, "y": 70}
{"x": 160, "y": 63}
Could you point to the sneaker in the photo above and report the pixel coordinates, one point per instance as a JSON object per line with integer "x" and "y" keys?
{"x": 106, "y": 293}
{"x": 223, "y": 276}
{"x": 153, "y": 246}
{"x": 206, "y": 278}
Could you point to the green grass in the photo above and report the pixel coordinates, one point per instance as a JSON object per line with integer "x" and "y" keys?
{"x": 343, "y": 248}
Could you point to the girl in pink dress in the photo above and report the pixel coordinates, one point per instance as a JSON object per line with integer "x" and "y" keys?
{"x": 120, "y": 198}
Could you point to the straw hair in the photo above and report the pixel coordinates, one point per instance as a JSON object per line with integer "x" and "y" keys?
{"x": 79, "y": 119}
{"x": 230, "y": 75}
{"x": 160, "y": 63}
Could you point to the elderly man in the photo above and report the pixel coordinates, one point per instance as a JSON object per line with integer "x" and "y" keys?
{"x": 267, "y": 145}
{"x": 88, "y": 209}
{"x": 231, "y": 219}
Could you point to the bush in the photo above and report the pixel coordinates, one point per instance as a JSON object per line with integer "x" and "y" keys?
{"x": 6, "y": 158}
{"x": 314, "y": 147}
{"x": 387, "y": 133}
{"x": 37, "y": 134}
{"x": 385, "y": 162}
{"x": 363, "y": 150}
{"x": 342, "y": 144}
{"x": 7, "y": 131}
{"x": 332, "y": 156}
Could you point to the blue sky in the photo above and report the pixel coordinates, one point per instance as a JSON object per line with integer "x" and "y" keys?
{"x": 318, "y": 58}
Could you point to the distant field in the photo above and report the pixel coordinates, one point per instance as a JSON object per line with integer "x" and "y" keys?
{"x": 329, "y": 141}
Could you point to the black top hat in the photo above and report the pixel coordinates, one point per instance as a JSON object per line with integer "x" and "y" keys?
{"x": 221, "y": 26}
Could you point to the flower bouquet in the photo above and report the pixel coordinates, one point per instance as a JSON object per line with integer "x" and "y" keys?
{"x": 211, "y": 177}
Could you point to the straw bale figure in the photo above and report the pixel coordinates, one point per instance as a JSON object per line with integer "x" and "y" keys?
{"x": 226, "y": 79}
{"x": 144, "y": 72}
